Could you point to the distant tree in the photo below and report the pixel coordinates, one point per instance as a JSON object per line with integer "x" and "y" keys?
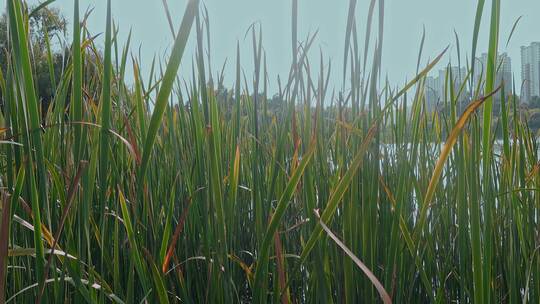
{"x": 46, "y": 23}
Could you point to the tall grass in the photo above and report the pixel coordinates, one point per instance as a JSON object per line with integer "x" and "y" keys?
{"x": 173, "y": 190}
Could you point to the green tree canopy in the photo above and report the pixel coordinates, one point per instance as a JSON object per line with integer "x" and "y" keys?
{"x": 45, "y": 25}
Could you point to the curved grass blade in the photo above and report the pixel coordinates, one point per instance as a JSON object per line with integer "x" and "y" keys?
{"x": 477, "y": 22}
{"x": 177, "y": 231}
{"x": 167, "y": 84}
{"x": 513, "y": 30}
{"x": 40, "y": 7}
{"x": 445, "y": 152}
{"x": 339, "y": 191}
{"x": 264, "y": 253}
{"x": 380, "y": 288}
{"x": 72, "y": 281}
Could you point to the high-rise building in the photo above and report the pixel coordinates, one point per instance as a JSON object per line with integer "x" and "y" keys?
{"x": 503, "y": 68}
{"x": 431, "y": 92}
{"x": 530, "y": 71}
{"x": 504, "y": 72}
{"x": 437, "y": 89}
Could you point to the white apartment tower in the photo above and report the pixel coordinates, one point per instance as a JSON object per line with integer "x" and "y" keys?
{"x": 504, "y": 72}
{"x": 530, "y": 71}
{"x": 437, "y": 89}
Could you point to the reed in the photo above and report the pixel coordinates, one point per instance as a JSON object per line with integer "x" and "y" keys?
{"x": 171, "y": 190}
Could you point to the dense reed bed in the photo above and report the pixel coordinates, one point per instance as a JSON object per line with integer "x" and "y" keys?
{"x": 173, "y": 189}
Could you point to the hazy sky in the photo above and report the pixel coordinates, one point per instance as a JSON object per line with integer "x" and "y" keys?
{"x": 404, "y": 20}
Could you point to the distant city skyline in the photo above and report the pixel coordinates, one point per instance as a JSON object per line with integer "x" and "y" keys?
{"x": 435, "y": 86}
{"x": 229, "y": 20}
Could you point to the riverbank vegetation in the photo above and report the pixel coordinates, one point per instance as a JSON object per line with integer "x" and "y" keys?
{"x": 172, "y": 190}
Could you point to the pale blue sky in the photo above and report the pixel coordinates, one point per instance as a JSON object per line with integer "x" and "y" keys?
{"x": 404, "y": 20}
